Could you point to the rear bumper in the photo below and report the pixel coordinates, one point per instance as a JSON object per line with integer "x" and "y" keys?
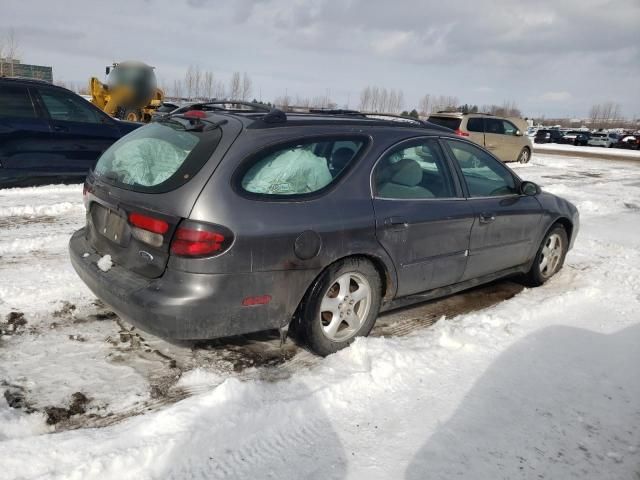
{"x": 188, "y": 306}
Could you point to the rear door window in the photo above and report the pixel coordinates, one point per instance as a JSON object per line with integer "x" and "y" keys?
{"x": 157, "y": 157}
{"x": 493, "y": 125}
{"x": 68, "y": 108}
{"x": 300, "y": 168}
{"x": 416, "y": 170}
{"x": 475, "y": 124}
{"x": 449, "y": 122}
{"x": 16, "y": 102}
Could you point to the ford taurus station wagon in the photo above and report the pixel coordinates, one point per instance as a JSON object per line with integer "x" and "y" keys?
{"x": 223, "y": 221}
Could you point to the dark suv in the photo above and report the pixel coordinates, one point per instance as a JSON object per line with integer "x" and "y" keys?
{"x": 226, "y": 222}
{"x": 550, "y": 135}
{"x": 48, "y": 133}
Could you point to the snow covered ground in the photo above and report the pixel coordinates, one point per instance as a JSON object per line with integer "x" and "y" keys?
{"x": 545, "y": 384}
{"x": 591, "y": 151}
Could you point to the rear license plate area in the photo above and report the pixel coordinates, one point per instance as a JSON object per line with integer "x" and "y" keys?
{"x": 110, "y": 224}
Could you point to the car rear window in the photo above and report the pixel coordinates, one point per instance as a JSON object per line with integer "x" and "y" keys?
{"x": 542, "y": 133}
{"x": 157, "y": 157}
{"x": 449, "y": 122}
{"x": 299, "y": 168}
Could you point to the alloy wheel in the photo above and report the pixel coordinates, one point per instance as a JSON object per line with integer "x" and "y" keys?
{"x": 550, "y": 255}
{"x": 345, "y": 307}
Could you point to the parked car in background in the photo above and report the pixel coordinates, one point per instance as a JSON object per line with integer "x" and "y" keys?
{"x": 228, "y": 223}
{"x": 548, "y": 135}
{"x": 50, "y": 134}
{"x": 603, "y": 139}
{"x": 499, "y": 135}
{"x": 575, "y": 137}
{"x": 631, "y": 142}
{"x": 163, "y": 110}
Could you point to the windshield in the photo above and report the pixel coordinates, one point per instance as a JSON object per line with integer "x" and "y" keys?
{"x": 157, "y": 157}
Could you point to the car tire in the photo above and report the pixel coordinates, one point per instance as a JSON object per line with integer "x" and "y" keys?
{"x": 550, "y": 256}
{"x": 132, "y": 115}
{"x": 332, "y": 313}
{"x": 525, "y": 155}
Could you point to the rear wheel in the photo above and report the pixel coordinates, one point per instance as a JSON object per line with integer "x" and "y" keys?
{"x": 525, "y": 155}
{"x": 342, "y": 305}
{"x": 550, "y": 256}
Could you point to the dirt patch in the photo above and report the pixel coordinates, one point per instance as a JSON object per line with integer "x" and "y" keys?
{"x": 77, "y": 406}
{"x": 14, "y": 323}
{"x": 67, "y": 310}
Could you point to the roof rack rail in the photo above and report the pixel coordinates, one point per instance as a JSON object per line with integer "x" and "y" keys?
{"x": 237, "y": 106}
{"x": 336, "y": 111}
{"x": 396, "y": 118}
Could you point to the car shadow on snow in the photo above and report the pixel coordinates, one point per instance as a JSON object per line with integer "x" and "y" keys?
{"x": 561, "y": 403}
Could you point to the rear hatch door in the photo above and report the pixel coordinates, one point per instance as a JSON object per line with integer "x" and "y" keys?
{"x": 147, "y": 182}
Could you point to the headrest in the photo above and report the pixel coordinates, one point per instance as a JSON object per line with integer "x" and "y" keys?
{"x": 409, "y": 173}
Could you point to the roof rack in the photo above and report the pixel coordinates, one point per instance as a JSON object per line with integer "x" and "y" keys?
{"x": 236, "y": 106}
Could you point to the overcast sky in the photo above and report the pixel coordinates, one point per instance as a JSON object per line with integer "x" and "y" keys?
{"x": 550, "y": 57}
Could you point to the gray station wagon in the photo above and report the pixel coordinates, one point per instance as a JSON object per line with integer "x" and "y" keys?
{"x": 230, "y": 219}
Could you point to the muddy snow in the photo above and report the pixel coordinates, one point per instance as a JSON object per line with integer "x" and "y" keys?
{"x": 498, "y": 382}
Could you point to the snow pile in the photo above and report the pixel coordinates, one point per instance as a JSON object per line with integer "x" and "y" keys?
{"x": 105, "y": 263}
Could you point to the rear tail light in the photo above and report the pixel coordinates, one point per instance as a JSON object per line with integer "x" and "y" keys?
{"x": 461, "y": 133}
{"x": 148, "y": 223}
{"x": 194, "y": 239}
{"x": 148, "y": 229}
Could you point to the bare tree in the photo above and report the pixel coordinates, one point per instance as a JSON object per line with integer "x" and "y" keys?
{"x": 207, "y": 85}
{"x": 424, "y": 105}
{"x": 8, "y": 52}
{"x": 219, "y": 91}
{"x": 189, "y": 82}
{"x": 235, "y": 86}
{"x": 246, "y": 87}
{"x": 365, "y": 98}
{"x": 177, "y": 88}
{"x": 197, "y": 82}
{"x": 283, "y": 102}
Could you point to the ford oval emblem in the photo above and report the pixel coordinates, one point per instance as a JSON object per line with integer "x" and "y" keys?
{"x": 146, "y": 255}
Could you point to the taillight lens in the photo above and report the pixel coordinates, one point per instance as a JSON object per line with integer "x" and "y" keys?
{"x": 197, "y": 240}
{"x": 461, "y": 133}
{"x": 195, "y": 114}
{"x": 148, "y": 223}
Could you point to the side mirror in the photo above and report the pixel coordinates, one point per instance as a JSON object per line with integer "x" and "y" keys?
{"x": 529, "y": 188}
{"x": 107, "y": 70}
{"x": 518, "y": 133}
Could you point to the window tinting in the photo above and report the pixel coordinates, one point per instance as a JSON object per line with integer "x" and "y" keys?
{"x": 474, "y": 124}
{"x": 493, "y": 125}
{"x": 15, "y": 102}
{"x": 414, "y": 171}
{"x": 300, "y": 168}
{"x": 449, "y": 122}
{"x": 62, "y": 106}
{"x": 483, "y": 174}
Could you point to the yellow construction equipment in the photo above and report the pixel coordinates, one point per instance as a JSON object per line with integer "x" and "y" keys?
{"x": 130, "y": 94}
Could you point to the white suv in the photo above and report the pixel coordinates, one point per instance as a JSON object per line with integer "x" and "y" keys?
{"x": 602, "y": 139}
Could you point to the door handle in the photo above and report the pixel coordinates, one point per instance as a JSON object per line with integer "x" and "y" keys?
{"x": 487, "y": 217}
{"x": 395, "y": 223}
{"x": 60, "y": 128}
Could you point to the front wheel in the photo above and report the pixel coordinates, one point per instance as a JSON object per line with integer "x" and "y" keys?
{"x": 550, "y": 256}
{"x": 525, "y": 155}
{"x": 342, "y": 305}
